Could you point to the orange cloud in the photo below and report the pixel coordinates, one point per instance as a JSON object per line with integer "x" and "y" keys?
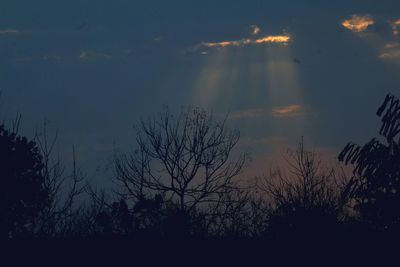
{"x": 358, "y": 23}
{"x": 281, "y": 39}
{"x": 287, "y": 111}
{"x": 273, "y": 39}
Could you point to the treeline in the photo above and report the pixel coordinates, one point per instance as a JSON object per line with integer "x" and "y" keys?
{"x": 183, "y": 180}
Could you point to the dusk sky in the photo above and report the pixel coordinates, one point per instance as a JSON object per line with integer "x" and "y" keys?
{"x": 283, "y": 69}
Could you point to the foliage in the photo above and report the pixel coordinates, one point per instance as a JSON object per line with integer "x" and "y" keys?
{"x": 376, "y": 181}
{"x": 23, "y": 192}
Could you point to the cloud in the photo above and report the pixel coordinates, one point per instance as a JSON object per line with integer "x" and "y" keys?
{"x": 223, "y": 44}
{"x": 287, "y": 111}
{"x": 358, "y": 23}
{"x": 284, "y": 39}
{"x": 158, "y": 39}
{"x": 87, "y": 55}
{"x": 392, "y": 55}
{"x": 255, "y": 29}
{"x": 392, "y": 45}
{"x": 278, "y": 112}
{"x": 256, "y": 39}
{"x": 279, "y": 39}
{"x": 9, "y": 31}
{"x": 396, "y": 27}
{"x": 387, "y": 30}
{"x": 83, "y": 55}
{"x": 391, "y": 52}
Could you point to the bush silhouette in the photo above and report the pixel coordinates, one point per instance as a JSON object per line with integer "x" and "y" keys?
{"x": 376, "y": 181}
{"x": 308, "y": 202}
{"x": 23, "y": 194}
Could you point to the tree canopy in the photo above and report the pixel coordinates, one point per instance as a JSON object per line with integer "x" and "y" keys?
{"x": 23, "y": 194}
{"x": 376, "y": 181}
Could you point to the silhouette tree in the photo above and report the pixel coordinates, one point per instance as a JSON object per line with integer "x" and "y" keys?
{"x": 114, "y": 220}
{"x": 376, "y": 180}
{"x": 308, "y": 200}
{"x": 23, "y": 193}
{"x": 185, "y": 160}
{"x": 239, "y": 214}
{"x": 60, "y": 216}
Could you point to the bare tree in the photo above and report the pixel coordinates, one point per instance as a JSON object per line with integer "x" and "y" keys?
{"x": 307, "y": 184}
{"x": 186, "y": 159}
{"x": 61, "y": 215}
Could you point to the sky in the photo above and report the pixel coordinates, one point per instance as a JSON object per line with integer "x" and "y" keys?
{"x": 283, "y": 69}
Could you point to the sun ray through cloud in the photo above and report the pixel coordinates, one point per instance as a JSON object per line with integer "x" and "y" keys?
{"x": 209, "y": 79}
{"x": 284, "y": 89}
{"x": 224, "y": 67}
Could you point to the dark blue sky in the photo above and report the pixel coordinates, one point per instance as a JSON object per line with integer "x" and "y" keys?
{"x": 94, "y": 67}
